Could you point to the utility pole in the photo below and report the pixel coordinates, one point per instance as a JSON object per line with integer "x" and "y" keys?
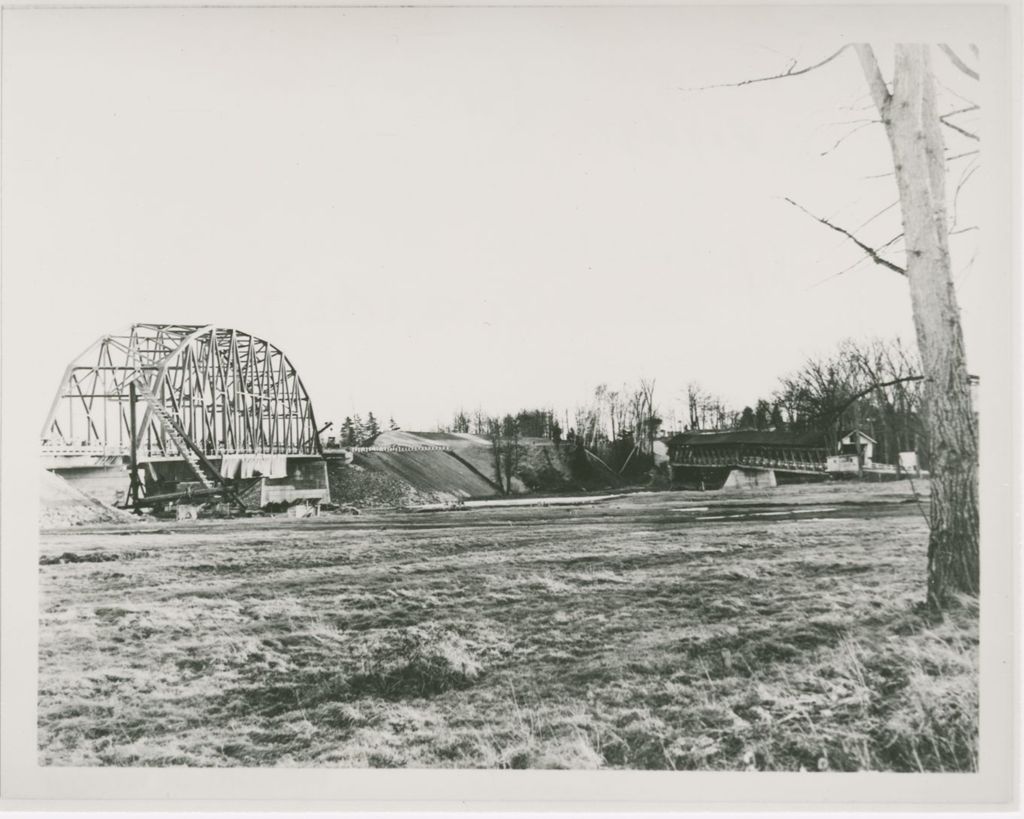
{"x": 133, "y": 460}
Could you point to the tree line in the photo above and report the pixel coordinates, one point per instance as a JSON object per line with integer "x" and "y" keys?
{"x": 873, "y": 386}
{"x": 615, "y": 428}
{"x": 356, "y": 432}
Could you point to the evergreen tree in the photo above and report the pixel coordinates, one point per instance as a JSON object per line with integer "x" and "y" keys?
{"x": 460, "y": 423}
{"x": 762, "y": 414}
{"x": 348, "y": 433}
{"x": 372, "y": 429}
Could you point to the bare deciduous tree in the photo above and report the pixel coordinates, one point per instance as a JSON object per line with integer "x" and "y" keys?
{"x": 913, "y": 124}
{"x": 511, "y": 450}
{"x": 506, "y": 450}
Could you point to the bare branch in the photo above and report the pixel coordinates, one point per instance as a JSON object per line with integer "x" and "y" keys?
{"x": 875, "y": 257}
{"x": 855, "y": 104}
{"x": 948, "y": 159}
{"x": 852, "y": 121}
{"x": 960, "y": 130}
{"x": 944, "y": 119}
{"x": 841, "y": 408}
{"x": 953, "y": 92}
{"x": 967, "y": 268}
{"x": 856, "y": 264}
{"x": 879, "y": 90}
{"x": 963, "y": 181}
{"x": 872, "y": 219}
{"x": 961, "y": 156}
{"x": 972, "y": 107}
{"x": 953, "y": 58}
{"x": 791, "y": 71}
{"x": 856, "y": 109}
{"x": 893, "y": 240}
{"x": 849, "y": 134}
{"x": 842, "y": 272}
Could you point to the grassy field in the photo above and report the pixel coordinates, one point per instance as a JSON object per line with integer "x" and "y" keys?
{"x": 776, "y": 631}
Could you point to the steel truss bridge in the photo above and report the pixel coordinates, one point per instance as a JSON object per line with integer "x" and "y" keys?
{"x": 162, "y": 391}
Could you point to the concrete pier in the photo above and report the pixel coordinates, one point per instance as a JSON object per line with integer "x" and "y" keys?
{"x": 742, "y": 477}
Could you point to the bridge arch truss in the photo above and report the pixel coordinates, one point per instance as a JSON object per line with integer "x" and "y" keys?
{"x": 223, "y": 390}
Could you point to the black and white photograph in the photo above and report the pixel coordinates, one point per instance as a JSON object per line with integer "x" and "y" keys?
{"x": 453, "y": 389}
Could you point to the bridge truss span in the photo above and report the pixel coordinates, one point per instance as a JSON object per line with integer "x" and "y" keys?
{"x": 162, "y": 390}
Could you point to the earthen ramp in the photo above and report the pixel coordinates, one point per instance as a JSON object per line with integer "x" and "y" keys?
{"x": 61, "y": 505}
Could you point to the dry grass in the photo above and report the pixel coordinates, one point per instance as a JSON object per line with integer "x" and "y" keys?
{"x": 628, "y": 634}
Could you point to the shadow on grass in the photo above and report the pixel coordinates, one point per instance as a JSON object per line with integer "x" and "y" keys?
{"x": 394, "y": 664}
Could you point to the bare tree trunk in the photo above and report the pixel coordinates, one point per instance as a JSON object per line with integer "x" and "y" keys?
{"x": 495, "y": 434}
{"x": 912, "y": 125}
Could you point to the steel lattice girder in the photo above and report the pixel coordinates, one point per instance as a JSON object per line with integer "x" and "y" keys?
{"x": 230, "y": 391}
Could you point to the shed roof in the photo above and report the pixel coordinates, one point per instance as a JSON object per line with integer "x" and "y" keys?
{"x": 847, "y": 433}
{"x": 752, "y": 437}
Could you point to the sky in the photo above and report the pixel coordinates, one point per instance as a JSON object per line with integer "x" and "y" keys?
{"x": 429, "y": 209}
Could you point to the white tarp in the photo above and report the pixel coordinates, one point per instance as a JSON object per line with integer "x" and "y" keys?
{"x": 230, "y": 466}
{"x": 249, "y": 466}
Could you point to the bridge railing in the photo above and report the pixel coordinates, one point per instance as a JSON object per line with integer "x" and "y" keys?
{"x": 92, "y": 450}
{"x": 356, "y": 449}
{"x": 143, "y": 452}
{"x": 785, "y": 464}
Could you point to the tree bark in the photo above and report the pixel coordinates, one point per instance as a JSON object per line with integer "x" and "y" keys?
{"x": 913, "y": 127}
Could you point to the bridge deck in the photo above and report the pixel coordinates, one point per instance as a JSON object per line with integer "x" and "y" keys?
{"x": 799, "y": 467}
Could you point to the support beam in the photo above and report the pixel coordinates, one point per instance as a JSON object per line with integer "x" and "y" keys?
{"x": 133, "y": 463}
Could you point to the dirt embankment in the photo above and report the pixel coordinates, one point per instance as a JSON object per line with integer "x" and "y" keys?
{"x": 473, "y": 451}
{"x": 464, "y": 469}
{"x": 542, "y": 467}
{"x": 411, "y": 478}
{"x": 61, "y": 505}
{"x": 436, "y": 474}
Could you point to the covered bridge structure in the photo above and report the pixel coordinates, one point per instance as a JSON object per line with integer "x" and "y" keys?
{"x": 712, "y": 458}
